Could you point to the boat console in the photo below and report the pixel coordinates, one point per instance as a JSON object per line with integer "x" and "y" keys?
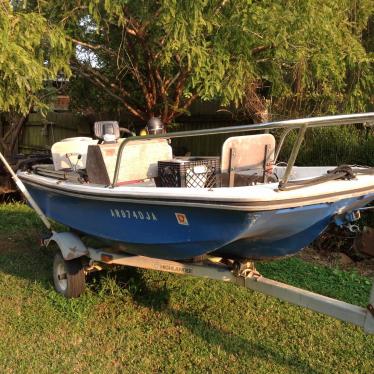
{"x": 140, "y": 160}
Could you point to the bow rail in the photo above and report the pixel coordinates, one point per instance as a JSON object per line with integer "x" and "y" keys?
{"x": 302, "y": 124}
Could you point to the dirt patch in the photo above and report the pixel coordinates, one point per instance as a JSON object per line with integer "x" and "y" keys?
{"x": 6, "y": 184}
{"x": 8, "y": 244}
{"x": 18, "y": 242}
{"x": 335, "y": 259}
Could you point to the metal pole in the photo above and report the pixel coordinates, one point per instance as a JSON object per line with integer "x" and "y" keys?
{"x": 326, "y": 121}
{"x": 280, "y": 144}
{"x": 292, "y": 159}
{"x": 26, "y": 193}
{"x": 332, "y": 307}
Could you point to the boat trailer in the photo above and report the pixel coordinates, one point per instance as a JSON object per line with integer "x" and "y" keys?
{"x": 70, "y": 280}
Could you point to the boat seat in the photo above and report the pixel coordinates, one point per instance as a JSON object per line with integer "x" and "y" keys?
{"x": 139, "y": 161}
{"x": 247, "y": 156}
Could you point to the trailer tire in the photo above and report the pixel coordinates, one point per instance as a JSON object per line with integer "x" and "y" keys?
{"x": 68, "y": 276}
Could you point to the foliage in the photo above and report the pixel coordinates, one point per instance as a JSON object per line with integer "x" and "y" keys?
{"x": 333, "y": 146}
{"x": 333, "y": 72}
{"x": 31, "y": 52}
{"x": 157, "y": 57}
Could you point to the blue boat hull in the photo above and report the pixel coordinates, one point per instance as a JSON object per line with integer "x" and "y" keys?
{"x": 299, "y": 230}
{"x": 171, "y": 232}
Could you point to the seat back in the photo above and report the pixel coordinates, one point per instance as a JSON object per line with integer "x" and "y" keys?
{"x": 247, "y": 153}
{"x": 139, "y": 160}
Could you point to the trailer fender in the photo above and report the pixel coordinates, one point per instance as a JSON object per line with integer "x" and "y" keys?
{"x": 70, "y": 245}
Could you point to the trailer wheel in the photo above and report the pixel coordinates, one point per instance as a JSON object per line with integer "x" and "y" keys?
{"x": 68, "y": 276}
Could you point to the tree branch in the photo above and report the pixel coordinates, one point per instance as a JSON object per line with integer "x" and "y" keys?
{"x": 92, "y": 46}
{"x": 135, "y": 72}
{"x": 170, "y": 82}
{"x": 15, "y": 129}
{"x": 183, "y": 108}
{"x": 80, "y": 68}
{"x": 164, "y": 95}
{"x": 96, "y": 81}
{"x": 180, "y": 82}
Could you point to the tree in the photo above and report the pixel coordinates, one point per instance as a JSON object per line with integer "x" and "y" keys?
{"x": 157, "y": 57}
{"x": 31, "y": 53}
{"x": 333, "y": 71}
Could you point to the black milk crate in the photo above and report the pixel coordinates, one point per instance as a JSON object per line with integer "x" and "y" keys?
{"x": 192, "y": 172}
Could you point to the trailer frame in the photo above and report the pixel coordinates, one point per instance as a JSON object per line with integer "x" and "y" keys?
{"x": 243, "y": 274}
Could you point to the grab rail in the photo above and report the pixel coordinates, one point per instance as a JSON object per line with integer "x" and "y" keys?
{"x": 302, "y": 124}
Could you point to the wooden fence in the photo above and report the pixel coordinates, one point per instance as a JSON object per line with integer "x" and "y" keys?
{"x": 40, "y": 133}
{"x": 351, "y": 144}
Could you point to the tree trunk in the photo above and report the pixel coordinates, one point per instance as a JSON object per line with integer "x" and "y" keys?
{"x": 9, "y": 136}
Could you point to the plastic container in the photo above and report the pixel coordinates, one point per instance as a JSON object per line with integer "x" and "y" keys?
{"x": 191, "y": 172}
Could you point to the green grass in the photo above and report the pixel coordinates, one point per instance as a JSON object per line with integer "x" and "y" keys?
{"x": 137, "y": 321}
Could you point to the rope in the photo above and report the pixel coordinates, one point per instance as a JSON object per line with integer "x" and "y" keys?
{"x": 344, "y": 172}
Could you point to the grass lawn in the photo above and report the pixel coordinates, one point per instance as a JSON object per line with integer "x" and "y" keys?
{"x": 137, "y": 321}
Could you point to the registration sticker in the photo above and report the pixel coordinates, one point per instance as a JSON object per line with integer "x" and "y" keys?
{"x": 182, "y": 219}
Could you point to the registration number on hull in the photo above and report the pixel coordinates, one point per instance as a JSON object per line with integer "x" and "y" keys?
{"x": 133, "y": 214}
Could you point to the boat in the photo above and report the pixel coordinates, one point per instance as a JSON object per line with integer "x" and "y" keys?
{"x": 204, "y": 217}
{"x": 242, "y": 205}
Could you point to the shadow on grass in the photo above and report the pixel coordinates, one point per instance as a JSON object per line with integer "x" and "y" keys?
{"x": 25, "y": 259}
{"x": 157, "y": 299}
{"x": 36, "y": 267}
{"x": 31, "y": 263}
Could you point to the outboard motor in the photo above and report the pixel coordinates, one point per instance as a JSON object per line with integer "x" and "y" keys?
{"x": 108, "y": 131}
{"x": 155, "y": 126}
